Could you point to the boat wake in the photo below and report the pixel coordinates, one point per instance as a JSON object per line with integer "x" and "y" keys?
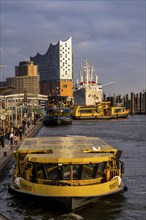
{"x": 70, "y": 216}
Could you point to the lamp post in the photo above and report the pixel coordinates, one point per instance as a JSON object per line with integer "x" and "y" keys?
{"x": 16, "y": 113}
{"x": 2, "y": 66}
{"x": 3, "y": 117}
{"x": 10, "y": 107}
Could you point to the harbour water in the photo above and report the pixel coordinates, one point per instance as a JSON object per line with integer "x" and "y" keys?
{"x": 127, "y": 135}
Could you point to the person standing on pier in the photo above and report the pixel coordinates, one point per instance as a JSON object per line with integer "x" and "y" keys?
{"x": 2, "y": 138}
{"x": 11, "y": 138}
{"x": 20, "y": 132}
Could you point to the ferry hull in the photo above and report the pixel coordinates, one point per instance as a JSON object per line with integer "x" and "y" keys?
{"x": 102, "y": 117}
{"x": 57, "y": 121}
{"x": 102, "y": 110}
{"x": 66, "y": 202}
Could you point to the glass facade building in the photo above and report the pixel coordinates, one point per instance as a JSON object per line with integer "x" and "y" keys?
{"x": 56, "y": 69}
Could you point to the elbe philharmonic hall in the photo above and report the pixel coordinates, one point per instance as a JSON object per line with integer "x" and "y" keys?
{"x": 48, "y": 74}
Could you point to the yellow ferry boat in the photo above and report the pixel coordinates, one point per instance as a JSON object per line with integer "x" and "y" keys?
{"x": 102, "y": 110}
{"x": 71, "y": 171}
{"x": 57, "y": 116}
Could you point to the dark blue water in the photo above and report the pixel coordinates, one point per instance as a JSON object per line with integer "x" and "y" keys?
{"x": 127, "y": 135}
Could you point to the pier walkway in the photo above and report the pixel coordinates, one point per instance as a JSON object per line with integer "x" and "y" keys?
{"x": 6, "y": 153}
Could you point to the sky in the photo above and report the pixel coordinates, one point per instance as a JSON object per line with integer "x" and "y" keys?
{"x": 111, "y": 34}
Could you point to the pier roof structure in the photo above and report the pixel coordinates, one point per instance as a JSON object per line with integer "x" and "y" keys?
{"x": 30, "y": 96}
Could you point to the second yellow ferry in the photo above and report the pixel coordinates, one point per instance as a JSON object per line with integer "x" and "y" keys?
{"x": 102, "y": 110}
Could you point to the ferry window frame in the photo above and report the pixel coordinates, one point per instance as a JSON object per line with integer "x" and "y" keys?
{"x": 67, "y": 172}
{"x": 118, "y": 110}
{"x": 97, "y": 170}
{"x": 41, "y": 175}
{"x": 64, "y": 172}
{"x": 87, "y": 171}
{"x": 86, "y": 111}
{"x": 52, "y": 174}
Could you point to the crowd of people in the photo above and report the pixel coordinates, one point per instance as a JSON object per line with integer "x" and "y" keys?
{"x": 13, "y": 133}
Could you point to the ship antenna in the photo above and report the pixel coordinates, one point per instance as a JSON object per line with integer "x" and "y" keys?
{"x": 87, "y": 72}
{"x": 92, "y": 72}
{"x": 96, "y": 79}
{"x": 81, "y": 75}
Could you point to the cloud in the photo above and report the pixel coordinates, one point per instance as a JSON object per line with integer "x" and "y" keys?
{"x": 110, "y": 33}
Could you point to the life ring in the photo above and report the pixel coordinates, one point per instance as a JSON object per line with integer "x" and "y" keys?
{"x": 17, "y": 181}
{"x": 119, "y": 179}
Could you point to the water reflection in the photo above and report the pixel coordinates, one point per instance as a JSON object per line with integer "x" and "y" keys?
{"x": 104, "y": 208}
{"x": 127, "y": 135}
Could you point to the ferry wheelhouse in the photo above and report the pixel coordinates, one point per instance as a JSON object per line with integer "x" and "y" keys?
{"x": 57, "y": 116}
{"x": 72, "y": 171}
{"x": 102, "y": 110}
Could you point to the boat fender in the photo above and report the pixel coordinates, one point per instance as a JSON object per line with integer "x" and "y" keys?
{"x": 119, "y": 179}
{"x": 122, "y": 168}
{"x": 17, "y": 181}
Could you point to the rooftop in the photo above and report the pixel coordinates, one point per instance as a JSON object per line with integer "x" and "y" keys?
{"x": 69, "y": 149}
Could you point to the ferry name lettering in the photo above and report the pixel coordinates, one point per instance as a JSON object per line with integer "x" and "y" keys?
{"x": 113, "y": 185}
{"x": 29, "y": 188}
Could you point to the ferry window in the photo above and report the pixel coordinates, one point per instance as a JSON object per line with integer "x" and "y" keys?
{"x": 66, "y": 113}
{"x": 53, "y": 171}
{"x": 66, "y": 172}
{"x": 23, "y": 168}
{"x": 55, "y": 113}
{"x": 87, "y": 171}
{"x": 95, "y": 174}
{"x": 85, "y": 111}
{"x": 77, "y": 169}
{"x": 26, "y": 170}
{"x": 59, "y": 113}
{"x": 117, "y": 110}
{"x": 100, "y": 169}
{"x": 50, "y": 114}
{"x": 40, "y": 172}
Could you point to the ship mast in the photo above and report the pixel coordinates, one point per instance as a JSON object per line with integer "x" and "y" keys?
{"x": 92, "y": 73}
{"x": 87, "y": 72}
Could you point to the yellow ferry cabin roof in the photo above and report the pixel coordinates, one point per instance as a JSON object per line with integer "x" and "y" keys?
{"x": 69, "y": 149}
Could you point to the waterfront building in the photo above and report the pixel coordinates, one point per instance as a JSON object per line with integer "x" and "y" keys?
{"x": 16, "y": 107}
{"x": 26, "y": 68}
{"x": 26, "y": 78}
{"x": 24, "y": 100}
{"x": 56, "y": 69}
